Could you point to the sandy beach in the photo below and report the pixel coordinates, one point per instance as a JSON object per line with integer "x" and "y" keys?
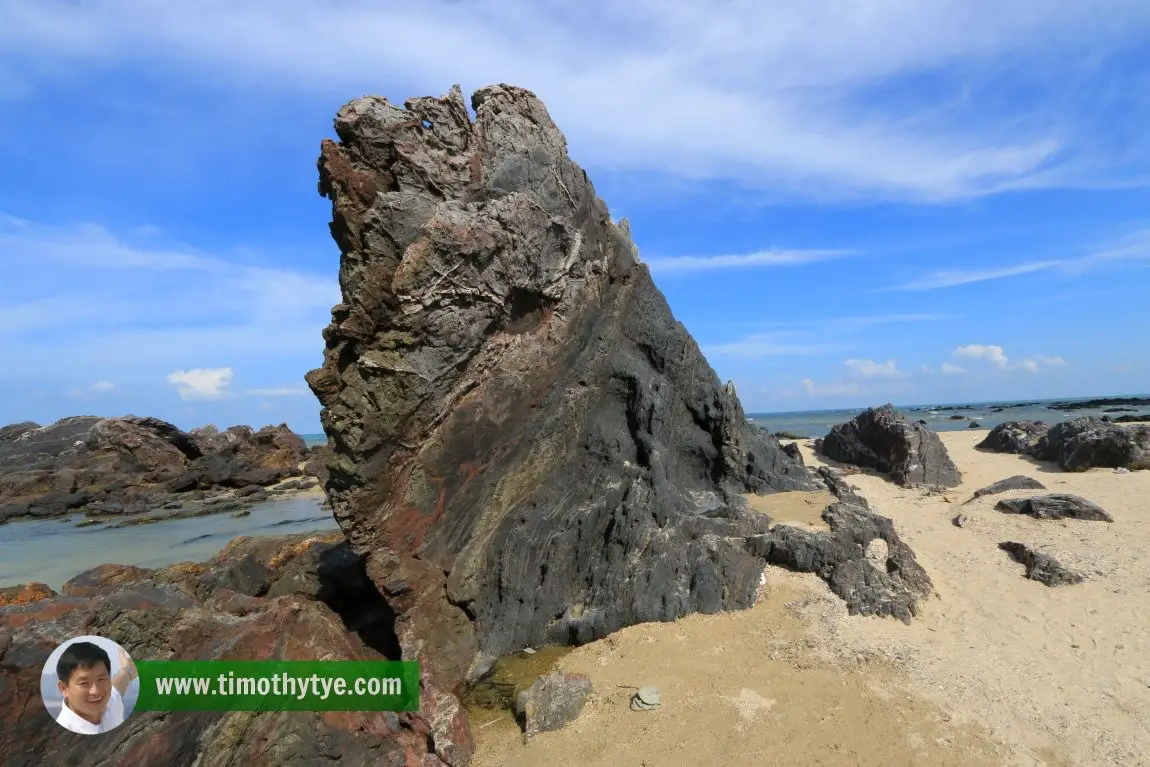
{"x": 996, "y": 670}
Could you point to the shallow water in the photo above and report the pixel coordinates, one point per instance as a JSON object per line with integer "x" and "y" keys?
{"x": 54, "y": 550}
{"x": 817, "y": 423}
{"x": 493, "y": 698}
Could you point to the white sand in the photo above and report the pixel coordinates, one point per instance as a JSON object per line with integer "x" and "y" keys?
{"x": 997, "y": 669}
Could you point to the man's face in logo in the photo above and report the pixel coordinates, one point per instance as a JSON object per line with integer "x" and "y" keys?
{"x": 88, "y": 690}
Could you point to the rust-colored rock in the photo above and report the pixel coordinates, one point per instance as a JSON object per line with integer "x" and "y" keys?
{"x": 25, "y": 593}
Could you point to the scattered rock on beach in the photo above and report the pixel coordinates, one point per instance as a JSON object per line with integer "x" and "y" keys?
{"x": 552, "y": 702}
{"x": 792, "y": 449}
{"x": 884, "y": 439}
{"x": 1041, "y": 567}
{"x": 1017, "y": 482}
{"x": 1055, "y": 506}
{"x": 514, "y": 412}
{"x": 974, "y": 425}
{"x": 1018, "y": 437}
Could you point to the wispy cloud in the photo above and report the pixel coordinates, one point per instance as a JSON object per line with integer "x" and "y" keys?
{"x": 280, "y": 391}
{"x": 776, "y": 94}
{"x": 759, "y": 259}
{"x": 201, "y": 383}
{"x": 107, "y": 304}
{"x": 768, "y": 345}
{"x": 871, "y": 369}
{"x": 950, "y": 369}
{"x": 1134, "y": 247}
{"x": 832, "y": 389}
{"x": 950, "y": 279}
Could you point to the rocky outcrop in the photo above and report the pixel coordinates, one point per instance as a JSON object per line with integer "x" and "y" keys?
{"x": 1014, "y": 437}
{"x": 884, "y": 439}
{"x": 317, "y": 602}
{"x": 526, "y": 446}
{"x": 862, "y": 558}
{"x": 1141, "y": 418}
{"x": 114, "y": 466}
{"x": 1017, "y": 482}
{"x": 1041, "y": 567}
{"x": 1089, "y": 442}
{"x": 1055, "y": 506}
{"x": 25, "y": 593}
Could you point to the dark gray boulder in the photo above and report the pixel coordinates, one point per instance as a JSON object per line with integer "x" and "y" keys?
{"x": 525, "y": 445}
{"x": 1017, "y": 482}
{"x": 1089, "y": 442}
{"x": 1041, "y": 567}
{"x": 552, "y": 702}
{"x": 1055, "y": 506}
{"x": 884, "y": 439}
{"x": 1014, "y": 437}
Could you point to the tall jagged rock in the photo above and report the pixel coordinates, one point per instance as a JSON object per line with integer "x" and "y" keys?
{"x": 525, "y": 444}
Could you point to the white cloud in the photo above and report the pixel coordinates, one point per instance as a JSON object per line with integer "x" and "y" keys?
{"x": 100, "y": 387}
{"x": 281, "y": 391}
{"x": 201, "y": 383}
{"x": 927, "y": 370}
{"x": 872, "y": 369}
{"x": 949, "y": 369}
{"x": 832, "y": 389}
{"x": 997, "y": 356}
{"x": 991, "y": 353}
{"x": 778, "y": 94}
{"x": 103, "y": 386}
{"x": 762, "y": 258}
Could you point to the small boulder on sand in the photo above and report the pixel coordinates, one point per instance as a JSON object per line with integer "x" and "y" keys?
{"x": 1041, "y": 567}
{"x": 1055, "y": 506}
{"x": 552, "y": 702}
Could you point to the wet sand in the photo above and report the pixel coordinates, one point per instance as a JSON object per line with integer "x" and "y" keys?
{"x": 996, "y": 670}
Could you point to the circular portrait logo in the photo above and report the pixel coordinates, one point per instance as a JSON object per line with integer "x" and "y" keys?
{"x": 89, "y": 685}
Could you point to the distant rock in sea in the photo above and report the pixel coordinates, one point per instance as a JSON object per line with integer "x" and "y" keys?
{"x": 884, "y": 439}
{"x": 1103, "y": 402}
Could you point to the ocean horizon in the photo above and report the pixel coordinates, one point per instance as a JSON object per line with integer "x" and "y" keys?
{"x": 817, "y": 423}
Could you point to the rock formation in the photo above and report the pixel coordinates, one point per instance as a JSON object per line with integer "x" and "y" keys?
{"x": 884, "y": 439}
{"x": 1041, "y": 567}
{"x": 1014, "y": 437}
{"x": 297, "y": 598}
{"x": 1017, "y": 482}
{"x": 1055, "y": 506}
{"x": 1089, "y": 442}
{"x": 526, "y": 445}
{"x": 112, "y": 466}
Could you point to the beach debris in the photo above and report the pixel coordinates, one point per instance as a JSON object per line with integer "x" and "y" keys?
{"x": 645, "y": 699}
{"x": 1055, "y": 506}
{"x": 529, "y": 650}
{"x": 1017, "y": 482}
{"x": 1122, "y": 470}
{"x": 1041, "y": 567}
{"x": 884, "y": 439}
{"x": 552, "y": 702}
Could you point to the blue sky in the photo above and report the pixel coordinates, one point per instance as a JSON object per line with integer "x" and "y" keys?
{"x": 845, "y": 202}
